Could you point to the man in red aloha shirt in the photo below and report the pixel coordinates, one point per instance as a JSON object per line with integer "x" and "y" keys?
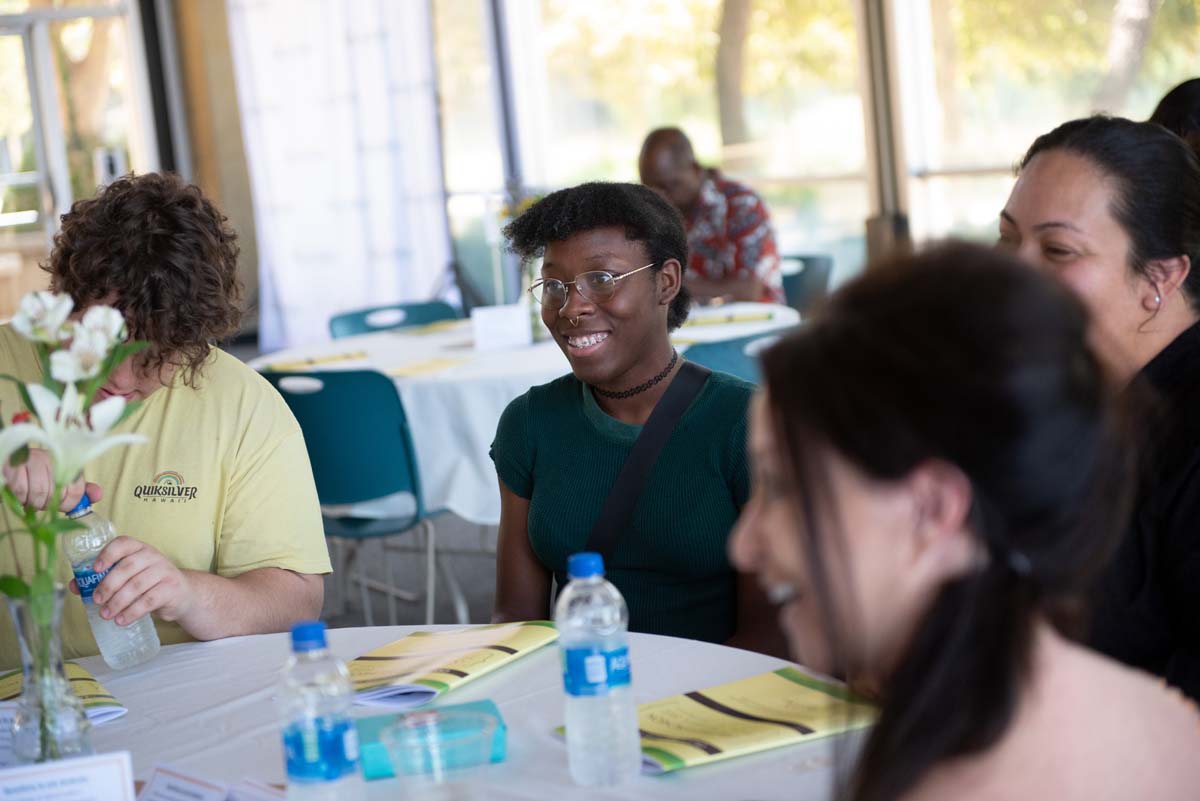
{"x": 732, "y": 246}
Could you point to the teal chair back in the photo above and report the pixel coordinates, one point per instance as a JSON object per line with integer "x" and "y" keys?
{"x": 806, "y": 280}
{"x": 386, "y": 318}
{"x": 356, "y": 432}
{"x": 737, "y": 357}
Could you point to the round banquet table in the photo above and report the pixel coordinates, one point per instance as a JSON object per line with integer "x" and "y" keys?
{"x": 209, "y": 709}
{"x": 454, "y": 395}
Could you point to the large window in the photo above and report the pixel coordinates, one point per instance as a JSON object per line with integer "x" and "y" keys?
{"x": 766, "y": 89}
{"x": 20, "y": 204}
{"x": 75, "y": 113}
{"x": 981, "y": 80}
{"x": 771, "y": 91}
{"x": 472, "y": 139}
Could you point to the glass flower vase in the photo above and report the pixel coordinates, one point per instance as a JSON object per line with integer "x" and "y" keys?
{"x": 50, "y": 721}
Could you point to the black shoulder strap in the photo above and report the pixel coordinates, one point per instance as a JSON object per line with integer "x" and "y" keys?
{"x": 623, "y": 497}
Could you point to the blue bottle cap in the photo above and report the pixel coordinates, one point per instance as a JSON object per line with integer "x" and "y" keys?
{"x": 85, "y": 503}
{"x": 585, "y": 565}
{"x": 308, "y": 635}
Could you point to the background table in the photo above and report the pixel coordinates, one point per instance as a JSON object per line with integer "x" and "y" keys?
{"x": 454, "y": 395}
{"x": 209, "y": 709}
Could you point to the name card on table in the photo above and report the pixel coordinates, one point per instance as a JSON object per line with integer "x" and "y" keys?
{"x": 250, "y": 790}
{"x": 106, "y": 777}
{"x": 168, "y": 784}
{"x": 500, "y": 327}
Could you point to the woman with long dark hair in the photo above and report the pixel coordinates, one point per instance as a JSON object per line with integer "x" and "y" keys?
{"x": 1112, "y": 208}
{"x": 940, "y": 472}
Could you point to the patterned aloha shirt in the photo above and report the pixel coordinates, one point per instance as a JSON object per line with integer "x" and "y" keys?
{"x": 730, "y": 236}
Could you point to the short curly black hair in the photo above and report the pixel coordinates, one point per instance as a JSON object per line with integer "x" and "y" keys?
{"x": 642, "y": 212}
{"x": 166, "y": 253}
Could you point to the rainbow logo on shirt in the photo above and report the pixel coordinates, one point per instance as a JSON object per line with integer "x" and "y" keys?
{"x": 170, "y": 478}
{"x": 166, "y": 487}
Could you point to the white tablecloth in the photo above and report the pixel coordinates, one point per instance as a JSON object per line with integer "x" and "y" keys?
{"x": 208, "y": 709}
{"x": 454, "y": 396}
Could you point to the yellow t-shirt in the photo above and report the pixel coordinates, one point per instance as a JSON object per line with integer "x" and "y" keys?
{"x": 222, "y": 484}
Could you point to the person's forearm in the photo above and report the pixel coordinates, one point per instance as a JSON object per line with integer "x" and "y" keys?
{"x": 525, "y": 609}
{"x": 257, "y": 602}
{"x": 505, "y": 616}
{"x": 741, "y": 289}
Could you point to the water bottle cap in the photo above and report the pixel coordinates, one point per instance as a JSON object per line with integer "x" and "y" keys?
{"x": 85, "y": 503}
{"x": 308, "y": 635}
{"x": 585, "y": 565}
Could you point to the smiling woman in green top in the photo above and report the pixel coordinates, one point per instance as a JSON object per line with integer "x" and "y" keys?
{"x": 611, "y": 291}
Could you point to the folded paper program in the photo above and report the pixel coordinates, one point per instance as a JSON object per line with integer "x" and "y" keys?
{"x": 418, "y": 668}
{"x": 100, "y": 704}
{"x": 316, "y": 361}
{"x": 729, "y": 318}
{"x": 432, "y": 328}
{"x": 424, "y": 367}
{"x": 759, "y": 713}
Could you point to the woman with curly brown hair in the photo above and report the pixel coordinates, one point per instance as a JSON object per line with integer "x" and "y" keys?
{"x": 224, "y": 533}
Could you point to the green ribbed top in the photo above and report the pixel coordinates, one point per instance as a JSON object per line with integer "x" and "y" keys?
{"x": 557, "y": 448}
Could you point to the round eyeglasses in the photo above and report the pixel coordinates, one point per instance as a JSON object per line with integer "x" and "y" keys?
{"x": 597, "y": 286}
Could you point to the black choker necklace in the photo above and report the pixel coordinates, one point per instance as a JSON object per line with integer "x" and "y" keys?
{"x": 640, "y": 388}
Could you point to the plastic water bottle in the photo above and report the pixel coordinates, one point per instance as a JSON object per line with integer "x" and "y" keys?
{"x": 121, "y": 646}
{"x": 320, "y": 742}
{"x": 603, "y": 745}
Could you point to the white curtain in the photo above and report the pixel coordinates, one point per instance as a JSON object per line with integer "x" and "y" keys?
{"x": 339, "y": 113}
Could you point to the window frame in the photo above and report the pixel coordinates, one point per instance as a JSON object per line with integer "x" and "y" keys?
{"x": 50, "y": 146}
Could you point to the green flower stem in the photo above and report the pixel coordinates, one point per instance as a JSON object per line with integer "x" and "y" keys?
{"x": 43, "y": 584}
{"x": 43, "y": 673}
{"x": 42, "y": 604}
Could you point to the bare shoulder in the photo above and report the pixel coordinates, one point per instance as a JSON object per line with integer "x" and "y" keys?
{"x": 1144, "y": 735}
{"x": 1088, "y": 728}
{"x": 1168, "y": 721}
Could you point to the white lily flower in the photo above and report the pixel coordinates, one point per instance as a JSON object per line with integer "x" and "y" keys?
{"x": 42, "y": 315}
{"x": 105, "y": 414}
{"x": 72, "y": 440}
{"x": 106, "y": 322}
{"x": 64, "y": 366}
{"x": 89, "y": 348}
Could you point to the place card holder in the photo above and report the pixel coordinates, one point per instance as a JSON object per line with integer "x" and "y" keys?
{"x": 501, "y": 327}
{"x": 104, "y": 777}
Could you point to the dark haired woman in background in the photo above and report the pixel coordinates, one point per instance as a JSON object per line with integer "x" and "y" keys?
{"x": 1112, "y": 207}
{"x": 939, "y": 474}
{"x": 1179, "y": 111}
{"x": 611, "y": 291}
